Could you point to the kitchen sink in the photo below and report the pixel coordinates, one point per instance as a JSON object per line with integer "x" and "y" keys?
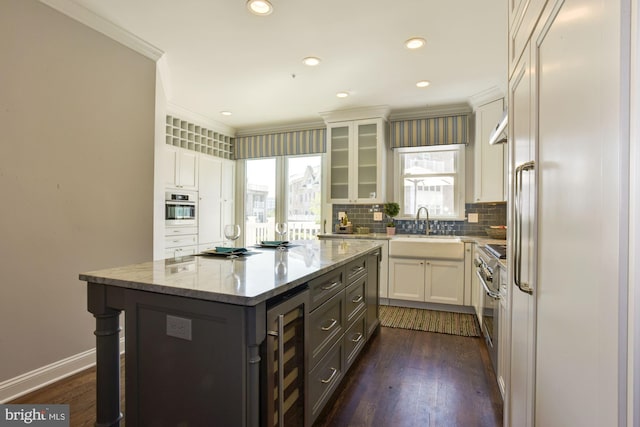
{"x": 430, "y": 236}
{"x": 422, "y": 246}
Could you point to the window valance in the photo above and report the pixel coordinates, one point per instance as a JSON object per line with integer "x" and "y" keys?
{"x": 281, "y": 144}
{"x": 431, "y": 131}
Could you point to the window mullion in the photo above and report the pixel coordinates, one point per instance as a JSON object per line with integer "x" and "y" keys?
{"x": 281, "y": 189}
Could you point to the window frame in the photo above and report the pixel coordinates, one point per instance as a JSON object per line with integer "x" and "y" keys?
{"x": 459, "y": 178}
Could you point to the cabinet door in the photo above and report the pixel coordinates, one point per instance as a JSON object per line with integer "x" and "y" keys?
{"x": 356, "y": 172}
{"x": 180, "y": 168}
{"x": 521, "y": 110}
{"x": 228, "y": 183}
{"x": 368, "y": 165}
{"x": 339, "y": 163}
{"x": 444, "y": 282}
{"x": 503, "y": 334}
{"x": 523, "y": 16}
{"x": 188, "y": 170}
{"x": 373, "y": 291}
{"x": 406, "y": 278}
{"x": 210, "y": 200}
{"x": 171, "y": 164}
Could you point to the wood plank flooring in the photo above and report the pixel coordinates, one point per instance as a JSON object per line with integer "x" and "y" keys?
{"x": 410, "y": 378}
{"x": 403, "y": 378}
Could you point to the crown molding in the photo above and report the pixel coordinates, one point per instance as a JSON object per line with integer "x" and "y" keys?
{"x": 432, "y": 111}
{"x": 108, "y": 28}
{"x": 200, "y": 119}
{"x": 485, "y": 97}
{"x": 374, "y": 112}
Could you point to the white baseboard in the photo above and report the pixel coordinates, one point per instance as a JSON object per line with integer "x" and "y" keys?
{"x": 26, "y": 383}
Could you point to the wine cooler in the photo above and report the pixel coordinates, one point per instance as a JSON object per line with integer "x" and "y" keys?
{"x": 283, "y": 380}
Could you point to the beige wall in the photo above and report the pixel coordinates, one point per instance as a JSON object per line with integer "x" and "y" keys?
{"x": 76, "y": 176}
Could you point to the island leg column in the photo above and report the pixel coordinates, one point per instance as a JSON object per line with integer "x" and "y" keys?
{"x": 107, "y": 334}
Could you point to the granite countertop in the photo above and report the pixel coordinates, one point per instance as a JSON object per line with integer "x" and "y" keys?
{"x": 247, "y": 280}
{"x": 480, "y": 240}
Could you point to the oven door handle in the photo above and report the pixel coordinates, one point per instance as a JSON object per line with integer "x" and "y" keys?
{"x": 491, "y": 293}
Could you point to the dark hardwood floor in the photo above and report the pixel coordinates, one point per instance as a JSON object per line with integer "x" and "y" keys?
{"x": 403, "y": 378}
{"x": 410, "y": 378}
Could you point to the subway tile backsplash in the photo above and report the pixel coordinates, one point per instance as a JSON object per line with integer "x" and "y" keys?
{"x": 488, "y": 214}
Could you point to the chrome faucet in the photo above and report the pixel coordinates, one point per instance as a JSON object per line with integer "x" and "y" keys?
{"x": 426, "y": 231}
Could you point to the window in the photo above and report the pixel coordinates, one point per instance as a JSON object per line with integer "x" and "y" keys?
{"x": 432, "y": 177}
{"x": 282, "y": 189}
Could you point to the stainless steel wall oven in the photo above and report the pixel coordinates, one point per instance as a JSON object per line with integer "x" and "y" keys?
{"x": 180, "y": 208}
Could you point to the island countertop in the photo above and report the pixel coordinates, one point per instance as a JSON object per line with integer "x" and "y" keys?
{"x": 247, "y": 280}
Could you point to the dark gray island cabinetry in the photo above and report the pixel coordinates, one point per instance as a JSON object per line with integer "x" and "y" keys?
{"x": 262, "y": 339}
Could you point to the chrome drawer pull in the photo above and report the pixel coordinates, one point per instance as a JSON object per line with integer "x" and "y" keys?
{"x": 357, "y": 299}
{"x": 333, "y": 374}
{"x": 331, "y": 286}
{"x": 358, "y": 338}
{"x": 356, "y": 270}
{"x": 334, "y": 322}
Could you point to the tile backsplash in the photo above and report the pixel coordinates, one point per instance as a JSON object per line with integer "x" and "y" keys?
{"x": 494, "y": 213}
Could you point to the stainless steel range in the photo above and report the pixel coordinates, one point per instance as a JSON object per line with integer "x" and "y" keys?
{"x": 488, "y": 271}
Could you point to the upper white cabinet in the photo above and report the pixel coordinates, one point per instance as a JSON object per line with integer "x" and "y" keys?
{"x": 489, "y": 164}
{"x": 523, "y": 16}
{"x": 357, "y": 156}
{"x": 181, "y": 168}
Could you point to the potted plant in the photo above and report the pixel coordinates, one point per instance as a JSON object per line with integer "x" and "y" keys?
{"x": 391, "y": 210}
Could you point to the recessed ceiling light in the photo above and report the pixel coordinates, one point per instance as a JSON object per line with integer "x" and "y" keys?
{"x": 415, "y": 43}
{"x": 342, "y": 94}
{"x": 311, "y": 61}
{"x": 260, "y": 7}
{"x": 423, "y": 83}
{"x": 226, "y": 113}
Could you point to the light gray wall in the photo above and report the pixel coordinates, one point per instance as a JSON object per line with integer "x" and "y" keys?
{"x": 76, "y": 176}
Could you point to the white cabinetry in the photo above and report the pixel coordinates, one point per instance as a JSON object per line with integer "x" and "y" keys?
{"x": 504, "y": 343}
{"x": 180, "y": 241}
{"x": 215, "y": 205}
{"x": 180, "y": 168}
{"x": 477, "y": 291}
{"x": 489, "y": 165}
{"x": 426, "y": 280}
{"x": 357, "y": 156}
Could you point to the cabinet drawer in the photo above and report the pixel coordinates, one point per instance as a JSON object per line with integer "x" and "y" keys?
{"x": 355, "y": 269}
{"x": 324, "y": 379}
{"x": 354, "y": 338}
{"x": 326, "y": 286}
{"x": 174, "y": 242}
{"x": 180, "y": 231}
{"x": 326, "y": 325}
{"x": 355, "y": 301}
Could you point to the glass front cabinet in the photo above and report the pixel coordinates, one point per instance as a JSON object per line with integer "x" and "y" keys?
{"x": 357, "y": 155}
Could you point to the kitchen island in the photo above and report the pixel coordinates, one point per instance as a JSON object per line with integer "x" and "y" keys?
{"x": 197, "y": 330}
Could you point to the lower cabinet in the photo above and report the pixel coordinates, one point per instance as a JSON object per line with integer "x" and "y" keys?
{"x": 180, "y": 241}
{"x": 344, "y": 311}
{"x": 426, "y": 280}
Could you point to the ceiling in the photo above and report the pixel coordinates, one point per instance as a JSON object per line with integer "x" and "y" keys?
{"x": 219, "y": 57}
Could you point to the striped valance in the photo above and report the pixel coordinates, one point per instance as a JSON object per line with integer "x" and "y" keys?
{"x": 282, "y": 144}
{"x": 431, "y": 131}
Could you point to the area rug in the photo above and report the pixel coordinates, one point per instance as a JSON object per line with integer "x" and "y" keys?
{"x": 443, "y": 322}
